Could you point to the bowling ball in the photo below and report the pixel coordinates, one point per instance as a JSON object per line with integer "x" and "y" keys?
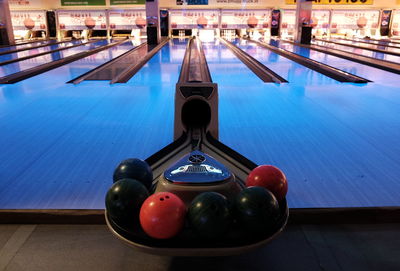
{"x": 140, "y": 22}
{"x": 252, "y": 22}
{"x": 135, "y": 169}
{"x": 271, "y": 178}
{"x": 29, "y": 23}
{"x": 124, "y": 199}
{"x": 209, "y": 215}
{"x": 256, "y": 209}
{"x": 314, "y": 22}
{"x": 162, "y": 215}
{"x": 90, "y": 22}
{"x": 202, "y": 22}
{"x": 112, "y": 25}
{"x": 362, "y": 22}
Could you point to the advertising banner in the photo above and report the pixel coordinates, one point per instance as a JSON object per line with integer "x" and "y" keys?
{"x": 28, "y": 20}
{"x": 83, "y": 2}
{"x": 385, "y": 22}
{"x": 127, "y": 19}
{"x": 16, "y": 4}
{"x": 127, "y": 2}
{"x": 334, "y": 2}
{"x": 191, "y": 2}
{"x": 82, "y": 19}
{"x": 355, "y": 19}
{"x": 243, "y": 19}
{"x": 192, "y": 19}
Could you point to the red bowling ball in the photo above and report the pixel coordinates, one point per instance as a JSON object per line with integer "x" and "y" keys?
{"x": 162, "y": 215}
{"x": 269, "y": 177}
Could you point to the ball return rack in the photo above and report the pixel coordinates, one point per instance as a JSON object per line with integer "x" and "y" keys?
{"x": 196, "y": 162}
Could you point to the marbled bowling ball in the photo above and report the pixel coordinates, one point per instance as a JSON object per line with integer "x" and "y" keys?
{"x": 362, "y": 22}
{"x": 29, "y": 23}
{"x": 252, "y": 22}
{"x": 162, "y": 215}
{"x": 112, "y": 26}
{"x": 90, "y": 22}
{"x": 103, "y": 26}
{"x": 209, "y": 215}
{"x": 140, "y": 22}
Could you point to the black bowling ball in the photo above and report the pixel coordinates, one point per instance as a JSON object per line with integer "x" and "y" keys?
{"x": 256, "y": 210}
{"x": 134, "y": 169}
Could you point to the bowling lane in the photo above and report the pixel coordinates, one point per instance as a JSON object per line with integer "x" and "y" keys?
{"x": 77, "y": 134}
{"x": 331, "y": 141}
{"x": 360, "y": 51}
{"x": 36, "y": 61}
{"x": 372, "y": 46}
{"x": 38, "y": 50}
{"x": 27, "y": 45}
{"x": 382, "y": 43}
{"x": 290, "y": 70}
{"x": 365, "y": 71}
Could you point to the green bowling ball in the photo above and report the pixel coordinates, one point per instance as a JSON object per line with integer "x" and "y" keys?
{"x": 124, "y": 200}
{"x": 209, "y": 215}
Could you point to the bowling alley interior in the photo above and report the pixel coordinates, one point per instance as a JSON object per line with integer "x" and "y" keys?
{"x": 200, "y": 135}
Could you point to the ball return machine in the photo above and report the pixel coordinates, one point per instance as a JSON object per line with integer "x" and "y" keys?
{"x": 197, "y": 162}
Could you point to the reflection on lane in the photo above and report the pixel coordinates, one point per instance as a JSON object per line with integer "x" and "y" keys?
{"x": 36, "y": 61}
{"x": 35, "y": 51}
{"x": 27, "y": 45}
{"x": 290, "y": 70}
{"x": 358, "y": 51}
{"x": 365, "y": 71}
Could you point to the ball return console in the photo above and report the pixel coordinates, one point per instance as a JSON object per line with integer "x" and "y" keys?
{"x": 197, "y": 162}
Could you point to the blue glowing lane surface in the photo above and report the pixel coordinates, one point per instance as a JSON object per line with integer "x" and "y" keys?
{"x": 291, "y": 71}
{"x": 34, "y": 51}
{"x": 337, "y": 143}
{"x": 65, "y": 140}
{"x": 36, "y": 61}
{"x": 365, "y": 71}
{"x": 359, "y": 51}
{"x": 27, "y": 45}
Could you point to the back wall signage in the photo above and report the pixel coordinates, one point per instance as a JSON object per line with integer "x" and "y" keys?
{"x": 127, "y": 2}
{"x": 82, "y": 19}
{"x": 335, "y": 2}
{"x": 28, "y": 20}
{"x": 83, "y": 2}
